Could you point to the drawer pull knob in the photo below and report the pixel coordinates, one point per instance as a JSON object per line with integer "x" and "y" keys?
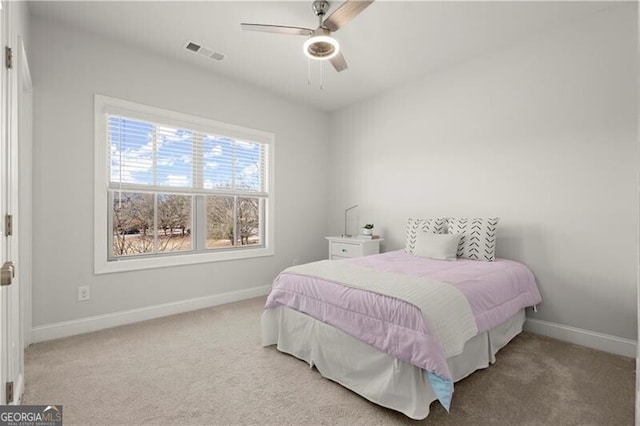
{"x": 344, "y": 250}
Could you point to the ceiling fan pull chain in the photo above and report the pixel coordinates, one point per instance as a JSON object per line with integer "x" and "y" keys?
{"x": 308, "y": 71}
{"x": 321, "y": 74}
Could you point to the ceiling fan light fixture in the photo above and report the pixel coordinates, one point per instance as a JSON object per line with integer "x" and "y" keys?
{"x": 321, "y": 47}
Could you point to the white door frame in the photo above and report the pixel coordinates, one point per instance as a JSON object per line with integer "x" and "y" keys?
{"x": 25, "y": 185}
{"x": 638, "y": 298}
{"x": 11, "y": 303}
{"x": 4, "y": 332}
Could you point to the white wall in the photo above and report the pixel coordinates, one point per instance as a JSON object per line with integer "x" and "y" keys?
{"x": 68, "y": 68}
{"x": 543, "y": 135}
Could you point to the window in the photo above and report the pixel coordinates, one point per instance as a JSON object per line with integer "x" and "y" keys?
{"x": 174, "y": 189}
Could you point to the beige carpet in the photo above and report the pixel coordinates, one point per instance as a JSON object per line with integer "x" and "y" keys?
{"x": 207, "y": 367}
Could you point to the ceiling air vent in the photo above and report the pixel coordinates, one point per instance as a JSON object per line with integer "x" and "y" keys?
{"x": 217, "y": 56}
{"x": 204, "y": 51}
{"x": 193, "y": 47}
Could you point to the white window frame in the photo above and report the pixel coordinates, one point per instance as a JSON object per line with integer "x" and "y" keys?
{"x": 104, "y": 105}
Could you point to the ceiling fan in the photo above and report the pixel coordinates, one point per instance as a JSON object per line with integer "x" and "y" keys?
{"x": 320, "y": 45}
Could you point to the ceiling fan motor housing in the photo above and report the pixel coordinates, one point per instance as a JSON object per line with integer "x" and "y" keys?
{"x": 320, "y": 7}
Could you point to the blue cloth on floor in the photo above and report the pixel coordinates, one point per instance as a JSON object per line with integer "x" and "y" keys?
{"x": 442, "y": 388}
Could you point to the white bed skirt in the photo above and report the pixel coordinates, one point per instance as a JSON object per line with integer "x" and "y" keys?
{"x": 374, "y": 375}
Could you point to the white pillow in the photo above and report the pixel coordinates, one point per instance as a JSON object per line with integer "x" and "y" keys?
{"x": 437, "y": 246}
{"x": 415, "y": 226}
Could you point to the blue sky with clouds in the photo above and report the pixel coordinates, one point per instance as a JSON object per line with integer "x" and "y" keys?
{"x": 132, "y": 157}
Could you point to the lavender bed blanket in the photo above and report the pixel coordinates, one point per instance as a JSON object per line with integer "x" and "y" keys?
{"x": 494, "y": 291}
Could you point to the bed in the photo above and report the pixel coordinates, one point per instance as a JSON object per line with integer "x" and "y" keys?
{"x": 397, "y": 329}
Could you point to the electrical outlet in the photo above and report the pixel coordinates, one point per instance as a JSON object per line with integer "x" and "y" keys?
{"x": 83, "y": 293}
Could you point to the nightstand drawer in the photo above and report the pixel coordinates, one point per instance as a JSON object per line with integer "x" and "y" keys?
{"x": 346, "y": 250}
{"x": 348, "y": 247}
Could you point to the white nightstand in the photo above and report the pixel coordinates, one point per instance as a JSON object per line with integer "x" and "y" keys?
{"x": 345, "y": 247}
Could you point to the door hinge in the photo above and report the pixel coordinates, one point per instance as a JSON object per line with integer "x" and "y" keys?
{"x": 9, "y": 392}
{"x": 8, "y": 57}
{"x": 8, "y": 225}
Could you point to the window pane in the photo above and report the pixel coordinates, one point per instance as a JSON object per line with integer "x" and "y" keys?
{"x": 217, "y": 157}
{"x": 175, "y": 157}
{"x": 219, "y": 221}
{"x": 174, "y": 222}
{"x": 132, "y": 223}
{"x": 131, "y": 150}
{"x": 248, "y": 220}
{"x": 248, "y": 166}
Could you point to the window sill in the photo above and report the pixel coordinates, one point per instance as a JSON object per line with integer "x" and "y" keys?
{"x": 133, "y": 264}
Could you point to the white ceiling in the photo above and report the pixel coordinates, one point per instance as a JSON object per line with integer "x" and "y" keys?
{"x": 391, "y": 42}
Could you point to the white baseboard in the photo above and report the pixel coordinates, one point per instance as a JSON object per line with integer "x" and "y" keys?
{"x": 590, "y": 339}
{"x": 637, "y": 391}
{"x": 84, "y": 325}
{"x": 637, "y": 399}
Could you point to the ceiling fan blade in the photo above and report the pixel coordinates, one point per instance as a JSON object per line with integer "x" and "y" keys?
{"x": 338, "y": 62}
{"x": 345, "y": 13}
{"x": 278, "y": 29}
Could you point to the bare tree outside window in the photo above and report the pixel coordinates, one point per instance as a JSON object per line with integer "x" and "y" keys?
{"x": 132, "y": 223}
{"x": 248, "y": 220}
{"x": 134, "y": 230}
{"x": 174, "y": 219}
{"x": 220, "y": 221}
